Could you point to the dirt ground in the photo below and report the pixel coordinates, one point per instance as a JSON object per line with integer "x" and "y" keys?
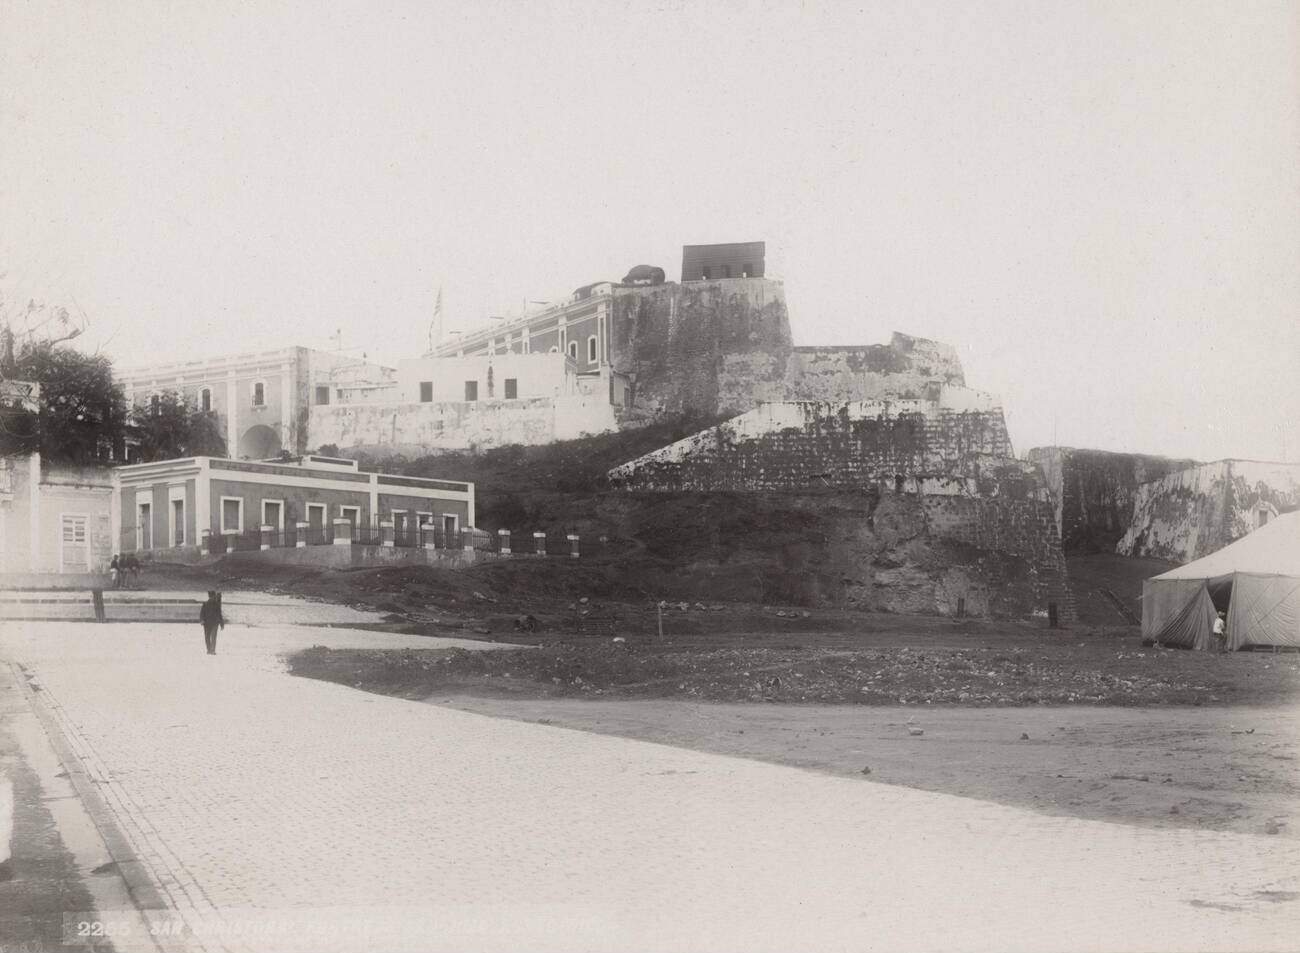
{"x": 1225, "y": 769}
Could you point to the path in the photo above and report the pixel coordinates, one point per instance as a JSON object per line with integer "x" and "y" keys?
{"x": 254, "y": 797}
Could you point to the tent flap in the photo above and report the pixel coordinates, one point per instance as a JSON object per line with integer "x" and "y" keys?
{"x": 1177, "y": 612}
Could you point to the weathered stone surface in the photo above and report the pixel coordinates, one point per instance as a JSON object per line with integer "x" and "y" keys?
{"x": 939, "y": 446}
{"x": 417, "y": 428}
{"x": 952, "y": 514}
{"x": 717, "y": 347}
{"x": 1093, "y": 491}
{"x": 1194, "y": 512}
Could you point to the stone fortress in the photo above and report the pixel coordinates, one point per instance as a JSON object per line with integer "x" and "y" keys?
{"x": 952, "y": 517}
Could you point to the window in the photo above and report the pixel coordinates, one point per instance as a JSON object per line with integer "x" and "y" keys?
{"x": 573, "y": 350}
{"x": 591, "y": 349}
{"x": 555, "y": 349}
{"x": 512, "y": 388}
{"x": 322, "y": 395}
{"x": 232, "y": 514}
{"x": 205, "y": 400}
{"x": 747, "y": 270}
{"x": 176, "y": 515}
{"x": 74, "y": 553}
{"x": 259, "y": 394}
{"x": 273, "y": 513}
{"x": 74, "y": 529}
{"x": 705, "y": 272}
{"x": 426, "y": 391}
{"x": 471, "y": 390}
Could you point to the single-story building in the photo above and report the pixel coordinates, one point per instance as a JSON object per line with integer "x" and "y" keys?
{"x": 54, "y": 518}
{"x": 202, "y": 501}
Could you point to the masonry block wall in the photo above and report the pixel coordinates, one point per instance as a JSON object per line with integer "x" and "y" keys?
{"x": 956, "y": 516}
{"x": 1194, "y": 512}
{"x": 419, "y": 428}
{"x": 1094, "y": 492}
{"x": 717, "y": 347}
{"x": 705, "y": 346}
{"x": 907, "y": 367}
{"x": 831, "y": 448}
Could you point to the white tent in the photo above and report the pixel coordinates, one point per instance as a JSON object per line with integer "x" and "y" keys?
{"x": 1256, "y": 580}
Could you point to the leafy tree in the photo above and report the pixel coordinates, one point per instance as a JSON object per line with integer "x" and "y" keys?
{"x": 167, "y": 425}
{"x": 81, "y": 415}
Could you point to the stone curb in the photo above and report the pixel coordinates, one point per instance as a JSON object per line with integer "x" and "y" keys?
{"x": 140, "y": 883}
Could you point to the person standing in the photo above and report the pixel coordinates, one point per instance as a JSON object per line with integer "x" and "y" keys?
{"x": 1221, "y": 633}
{"x": 115, "y": 571}
{"x": 212, "y": 619}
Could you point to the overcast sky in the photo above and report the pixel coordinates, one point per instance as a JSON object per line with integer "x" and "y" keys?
{"x": 1098, "y": 204}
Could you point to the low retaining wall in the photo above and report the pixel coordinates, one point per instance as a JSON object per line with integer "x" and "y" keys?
{"x": 354, "y": 556}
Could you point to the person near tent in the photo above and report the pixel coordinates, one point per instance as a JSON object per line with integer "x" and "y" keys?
{"x": 211, "y": 618}
{"x": 1221, "y": 633}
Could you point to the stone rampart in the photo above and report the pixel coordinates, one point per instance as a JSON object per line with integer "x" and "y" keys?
{"x": 1194, "y": 512}
{"x": 1094, "y": 491}
{"x": 418, "y": 428}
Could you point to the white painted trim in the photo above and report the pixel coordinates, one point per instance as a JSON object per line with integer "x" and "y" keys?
{"x": 175, "y": 493}
{"x": 34, "y": 515}
{"x": 202, "y": 499}
{"x": 374, "y": 496}
{"x": 419, "y": 514}
{"x": 280, "y": 526}
{"x": 221, "y": 514}
{"x": 324, "y": 512}
{"x": 141, "y": 535}
{"x": 373, "y": 488}
{"x": 232, "y": 414}
{"x": 455, "y": 518}
{"x": 343, "y": 514}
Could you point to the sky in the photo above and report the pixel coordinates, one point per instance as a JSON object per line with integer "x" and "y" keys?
{"x": 1097, "y": 204}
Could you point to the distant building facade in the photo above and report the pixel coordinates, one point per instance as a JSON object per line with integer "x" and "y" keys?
{"x": 188, "y": 502}
{"x": 730, "y": 260}
{"x": 263, "y": 400}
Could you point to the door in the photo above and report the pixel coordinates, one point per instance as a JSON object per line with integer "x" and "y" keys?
{"x": 178, "y": 522}
{"x": 449, "y": 530}
{"x": 315, "y": 523}
{"x": 74, "y": 552}
{"x": 143, "y": 526}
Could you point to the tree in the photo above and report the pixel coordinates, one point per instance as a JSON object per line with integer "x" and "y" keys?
{"x": 81, "y": 413}
{"x": 169, "y": 426}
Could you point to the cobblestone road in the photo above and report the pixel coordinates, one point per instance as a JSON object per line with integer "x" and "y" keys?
{"x": 254, "y": 797}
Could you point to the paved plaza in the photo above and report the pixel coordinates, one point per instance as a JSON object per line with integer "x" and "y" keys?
{"x": 350, "y": 820}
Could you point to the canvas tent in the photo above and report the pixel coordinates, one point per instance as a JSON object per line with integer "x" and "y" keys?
{"x": 1256, "y": 580}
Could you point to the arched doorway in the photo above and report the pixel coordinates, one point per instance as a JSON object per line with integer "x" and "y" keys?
{"x": 259, "y": 442}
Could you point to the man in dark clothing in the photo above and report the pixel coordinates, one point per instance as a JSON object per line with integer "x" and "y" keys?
{"x": 212, "y": 619}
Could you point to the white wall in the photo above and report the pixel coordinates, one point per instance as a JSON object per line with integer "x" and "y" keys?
{"x": 538, "y": 375}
